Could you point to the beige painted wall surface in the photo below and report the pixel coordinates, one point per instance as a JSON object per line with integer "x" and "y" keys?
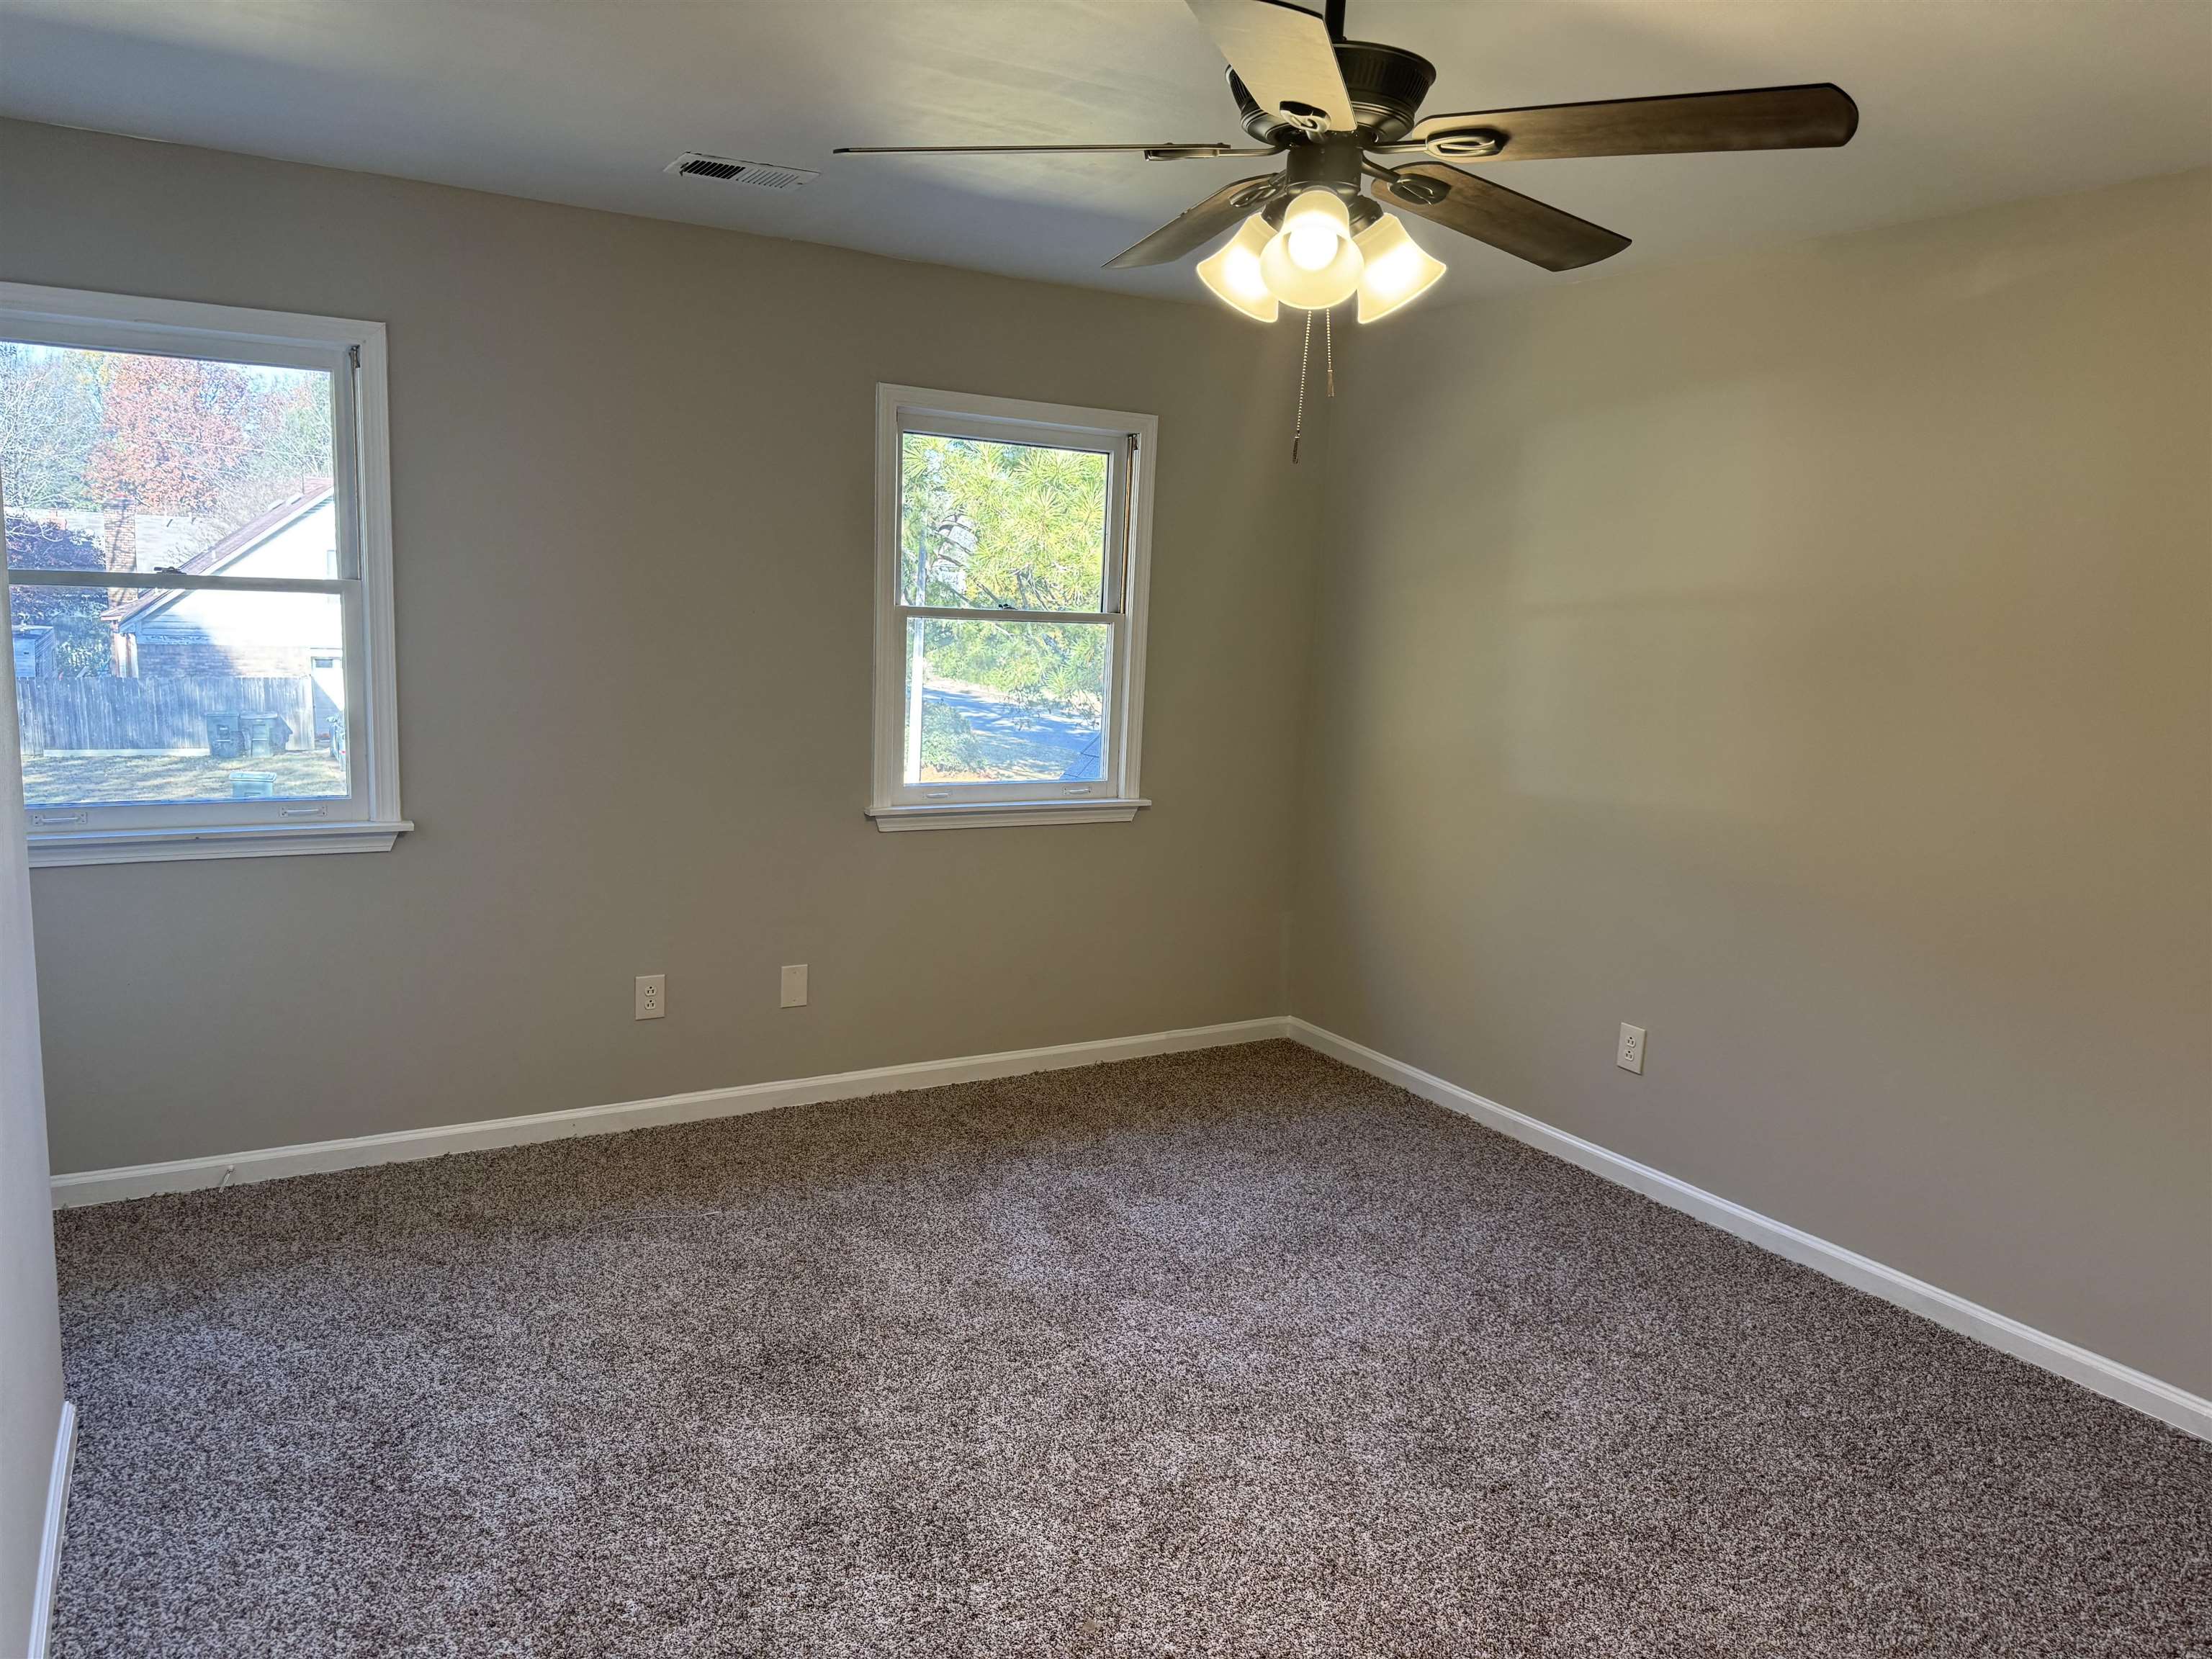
{"x": 1808, "y": 658}
{"x": 633, "y": 468}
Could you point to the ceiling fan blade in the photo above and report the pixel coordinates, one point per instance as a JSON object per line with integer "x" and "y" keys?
{"x": 1764, "y": 118}
{"x": 1284, "y": 57}
{"x": 1194, "y": 227}
{"x": 1520, "y": 225}
{"x": 1160, "y": 152}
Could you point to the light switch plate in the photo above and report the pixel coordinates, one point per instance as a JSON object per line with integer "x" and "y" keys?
{"x": 794, "y": 985}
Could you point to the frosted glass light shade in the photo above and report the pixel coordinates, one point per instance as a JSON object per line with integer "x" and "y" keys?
{"x": 1234, "y": 274}
{"x": 1312, "y": 262}
{"x": 1397, "y": 270}
{"x": 1316, "y": 213}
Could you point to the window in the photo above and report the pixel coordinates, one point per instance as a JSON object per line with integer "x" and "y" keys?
{"x": 199, "y": 579}
{"x": 1011, "y": 542}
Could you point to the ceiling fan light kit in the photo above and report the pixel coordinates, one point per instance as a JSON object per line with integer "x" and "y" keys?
{"x": 1316, "y": 261}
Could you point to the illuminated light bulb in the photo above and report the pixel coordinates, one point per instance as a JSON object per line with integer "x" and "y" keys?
{"x": 1397, "y": 269}
{"x": 1234, "y": 274}
{"x": 1314, "y": 224}
{"x": 1313, "y": 262}
{"x": 1310, "y": 246}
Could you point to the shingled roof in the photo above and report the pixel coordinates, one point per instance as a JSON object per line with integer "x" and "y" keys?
{"x": 227, "y": 551}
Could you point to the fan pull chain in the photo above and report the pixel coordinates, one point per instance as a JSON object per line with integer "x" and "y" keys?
{"x": 1305, "y": 360}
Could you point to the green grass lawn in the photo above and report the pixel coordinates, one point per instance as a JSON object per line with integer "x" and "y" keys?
{"x": 74, "y": 780}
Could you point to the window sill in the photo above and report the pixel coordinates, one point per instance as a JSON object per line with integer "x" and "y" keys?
{"x": 227, "y": 842}
{"x": 1004, "y": 814}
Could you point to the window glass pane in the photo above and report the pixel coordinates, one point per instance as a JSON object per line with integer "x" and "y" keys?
{"x": 121, "y": 460}
{"x": 993, "y": 526}
{"x": 996, "y": 702}
{"x": 144, "y": 694}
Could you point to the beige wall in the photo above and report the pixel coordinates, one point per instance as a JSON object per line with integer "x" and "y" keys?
{"x": 30, "y": 1338}
{"x": 1806, "y": 657}
{"x": 632, "y": 470}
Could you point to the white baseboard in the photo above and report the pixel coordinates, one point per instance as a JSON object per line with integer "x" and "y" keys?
{"x": 2145, "y": 1392}
{"x": 2189, "y": 1413}
{"x": 49, "y": 1539}
{"x": 272, "y": 1163}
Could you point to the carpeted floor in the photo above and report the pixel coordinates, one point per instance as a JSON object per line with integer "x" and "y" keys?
{"x": 1238, "y": 1352}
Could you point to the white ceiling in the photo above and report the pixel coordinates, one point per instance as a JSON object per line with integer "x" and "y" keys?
{"x": 1962, "y": 102}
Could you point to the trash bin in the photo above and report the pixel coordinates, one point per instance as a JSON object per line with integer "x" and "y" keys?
{"x": 253, "y": 786}
{"x": 265, "y": 734}
{"x": 225, "y": 740}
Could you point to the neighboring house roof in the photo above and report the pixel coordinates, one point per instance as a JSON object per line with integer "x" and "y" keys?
{"x": 157, "y": 535}
{"x": 228, "y": 551}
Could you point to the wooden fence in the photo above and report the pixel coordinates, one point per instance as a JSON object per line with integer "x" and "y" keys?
{"x": 99, "y": 714}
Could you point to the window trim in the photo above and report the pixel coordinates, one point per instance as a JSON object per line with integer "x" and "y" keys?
{"x": 354, "y": 350}
{"x": 1133, "y": 438}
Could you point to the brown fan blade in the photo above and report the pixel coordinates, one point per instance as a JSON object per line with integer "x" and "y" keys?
{"x": 1767, "y": 118}
{"x": 1194, "y": 228}
{"x": 1284, "y": 57}
{"x": 1154, "y": 152}
{"x": 1520, "y": 225}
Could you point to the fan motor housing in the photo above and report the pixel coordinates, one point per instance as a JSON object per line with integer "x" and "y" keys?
{"x": 1387, "y": 85}
{"x": 1334, "y": 158}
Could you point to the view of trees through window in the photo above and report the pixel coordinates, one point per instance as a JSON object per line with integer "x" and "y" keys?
{"x": 113, "y": 461}
{"x": 989, "y": 527}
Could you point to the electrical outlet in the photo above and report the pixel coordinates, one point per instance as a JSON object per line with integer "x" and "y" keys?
{"x": 794, "y": 985}
{"x": 653, "y": 996}
{"x": 1630, "y": 1057}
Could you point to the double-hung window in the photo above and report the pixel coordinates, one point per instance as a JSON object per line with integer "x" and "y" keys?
{"x": 1012, "y": 550}
{"x": 199, "y": 578}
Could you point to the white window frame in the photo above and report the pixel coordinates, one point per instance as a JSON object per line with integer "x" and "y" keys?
{"x": 353, "y": 353}
{"x": 1131, "y": 442}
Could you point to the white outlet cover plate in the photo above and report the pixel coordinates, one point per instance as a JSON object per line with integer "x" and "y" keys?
{"x": 653, "y": 996}
{"x": 794, "y": 985}
{"x": 1630, "y": 1057}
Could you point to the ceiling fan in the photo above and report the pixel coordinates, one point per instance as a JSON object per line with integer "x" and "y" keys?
{"x": 1345, "y": 113}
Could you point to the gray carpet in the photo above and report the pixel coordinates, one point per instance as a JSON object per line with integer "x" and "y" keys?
{"x": 1229, "y": 1353}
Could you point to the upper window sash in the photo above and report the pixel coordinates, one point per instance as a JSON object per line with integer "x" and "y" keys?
{"x": 337, "y": 358}
{"x": 1118, "y": 447}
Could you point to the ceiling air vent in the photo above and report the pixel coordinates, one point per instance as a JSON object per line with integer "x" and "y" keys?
{"x": 762, "y": 174}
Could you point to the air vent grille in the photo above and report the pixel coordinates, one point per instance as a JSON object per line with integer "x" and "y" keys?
{"x": 761, "y": 176}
